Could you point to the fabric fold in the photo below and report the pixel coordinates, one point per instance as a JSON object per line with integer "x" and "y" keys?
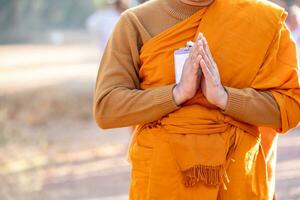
{"x": 201, "y": 137}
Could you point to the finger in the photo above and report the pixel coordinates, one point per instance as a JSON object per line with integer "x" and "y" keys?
{"x": 205, "y": 71}
{"x": 199, "y": 57}
{"x": 200, "y": 36}
{"x": 201, "y": 47}
{"x": 195, "y": 49}
{"x": 213, "y": 71}
{"x": 214, "y": 74}
{"x": 194, "y": 55}
{"x": 198, "y": 70}
{"x": 211, "y": 67}
{"x": 205, "y": 57}
{"x": 196, "y": 63}
{"x": 209, "y": 55}
{"x": 191, "y": 52}
{"x": 198, "y": 43}
{"x": 195, "y": 52}
{"x": 207, "y": 49}
{"x": 208, "y": 59}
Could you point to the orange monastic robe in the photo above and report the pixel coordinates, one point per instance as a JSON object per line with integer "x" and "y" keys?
{"x": 197, "y": 152}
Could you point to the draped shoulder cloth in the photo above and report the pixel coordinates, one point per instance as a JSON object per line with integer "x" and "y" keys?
{"x": 245, "y": 39}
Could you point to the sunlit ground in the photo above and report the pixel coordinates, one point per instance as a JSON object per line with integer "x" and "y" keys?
{"x": 288, "y": 167}
{"x": 50, "y": 148}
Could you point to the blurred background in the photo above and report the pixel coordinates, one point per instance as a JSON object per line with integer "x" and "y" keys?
{"x": 50, "y": 147}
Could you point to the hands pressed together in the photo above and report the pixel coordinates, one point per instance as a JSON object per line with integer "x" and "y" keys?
{"x": 210, "y": 83}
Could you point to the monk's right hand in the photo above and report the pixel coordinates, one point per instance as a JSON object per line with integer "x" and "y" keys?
{"x": 190, "y": 79}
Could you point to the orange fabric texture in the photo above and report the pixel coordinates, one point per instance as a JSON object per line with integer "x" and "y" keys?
{"x": 198, "y": 140}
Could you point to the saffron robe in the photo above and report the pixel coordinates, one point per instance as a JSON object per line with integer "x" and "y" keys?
{"x": 197, "y": 152}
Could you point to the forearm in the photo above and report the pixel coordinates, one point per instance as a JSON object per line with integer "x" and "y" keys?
{"x": 123, "y": 107}
{"x": 118, "y": 101}
{"x": 255, "y": 107}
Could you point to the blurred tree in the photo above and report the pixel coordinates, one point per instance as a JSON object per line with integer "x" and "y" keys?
{"x": 100, "y": 3}
{"x": 67, "y": 13}
{"x": 15, "y": 13}
{"x": 6, "y": 8}
{"x": 44, "y": 14}
{"x": 20, "y": 17}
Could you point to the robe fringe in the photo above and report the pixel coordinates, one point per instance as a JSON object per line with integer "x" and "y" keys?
{"x": 209, "y": 175}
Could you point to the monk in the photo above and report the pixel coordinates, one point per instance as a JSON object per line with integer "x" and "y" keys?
{"x": 213, "y": 135}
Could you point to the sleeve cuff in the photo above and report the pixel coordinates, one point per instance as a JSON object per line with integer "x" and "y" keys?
{"x": 236, "y": 103}
{"x": 165, "y": 99}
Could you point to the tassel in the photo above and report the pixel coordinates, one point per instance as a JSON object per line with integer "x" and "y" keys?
{"x": 209, "y": 175}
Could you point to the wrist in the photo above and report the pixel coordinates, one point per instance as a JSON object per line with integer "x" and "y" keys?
{"x": 178, "y": 96}
{"x": 223, "y": 99}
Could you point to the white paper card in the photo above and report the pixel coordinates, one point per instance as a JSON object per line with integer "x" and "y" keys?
{"x": 180, "y": 56}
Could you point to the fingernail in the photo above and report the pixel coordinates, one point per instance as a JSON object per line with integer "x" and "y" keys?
{"x": 200, "y": 35}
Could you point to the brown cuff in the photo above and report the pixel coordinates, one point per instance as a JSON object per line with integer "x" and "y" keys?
{"x": 165, "y": 99}
{"x": 236, "y": 102}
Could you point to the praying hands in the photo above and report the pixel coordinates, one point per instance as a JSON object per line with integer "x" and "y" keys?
{"x": 211, "y": 86}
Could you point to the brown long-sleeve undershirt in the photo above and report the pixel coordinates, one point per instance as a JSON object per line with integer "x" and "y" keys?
{"x": 118, "y": 101}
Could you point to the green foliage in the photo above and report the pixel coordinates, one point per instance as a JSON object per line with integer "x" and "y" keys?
{"x": 5, "y": 14}
{"x": 99, "y": 3}
{"x": 48, "y": 14}
{"x": 44, "y": 14}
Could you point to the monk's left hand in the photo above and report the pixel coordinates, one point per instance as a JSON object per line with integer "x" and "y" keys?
{"x": 211, "y": 85}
